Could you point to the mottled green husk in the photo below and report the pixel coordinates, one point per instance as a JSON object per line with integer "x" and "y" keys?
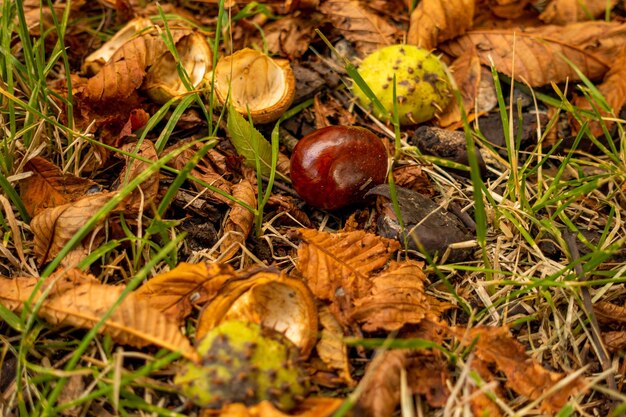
{"x": 242, "y": 362}
{"x": 422, "y": 85}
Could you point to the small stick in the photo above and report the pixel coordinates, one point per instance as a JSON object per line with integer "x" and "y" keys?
{"x": 603, "y": 356}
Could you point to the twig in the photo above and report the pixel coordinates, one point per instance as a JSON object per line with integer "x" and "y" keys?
{"x": 603, "y": 356}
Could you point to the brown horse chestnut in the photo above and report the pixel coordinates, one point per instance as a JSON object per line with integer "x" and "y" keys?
{"x": 335, "y": 166}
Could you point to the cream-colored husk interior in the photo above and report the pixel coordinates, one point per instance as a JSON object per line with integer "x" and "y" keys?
{"x": 257, "y": 81}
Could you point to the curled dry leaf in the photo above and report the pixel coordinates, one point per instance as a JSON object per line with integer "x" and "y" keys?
{"x": 287, "y": 204}
{"x": 331, "y": 348}
{"x": 289, "y": 36}
{"x": 239, "y": 221}
{"x": 54, "y": 227}
{"x": 174, "y": 293}
{"x": 337, "y": 267}
{"x": 525, "y": 376}
{"x": 274, "y": 301}
{"x": 537, "y": 52}
{"x": 613, "y": 89}
{"x": 562, "y": 12}
{"x": 365, "y": 29}
{"x": 381, "y": 393}
{"x": 310, "y": 407}
{"x": 481, "y": 402}
{"x": 49, "y": 187}
{"x": 413, "y": 178}
{"x": 148, "y": 190}
{"x": 435, "y": 21}
{"x": 146, "y": 58}
{"x": 83, "y": 304}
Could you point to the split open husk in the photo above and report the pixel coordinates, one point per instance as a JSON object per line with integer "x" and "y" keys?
{"x": 275, "y": 301}
{"x": 163, "y": 81}
{"x": 96, "y": 60}
{"x": 257, "y": 83}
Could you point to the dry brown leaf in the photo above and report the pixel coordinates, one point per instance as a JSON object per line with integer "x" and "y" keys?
{"x": 435, "y": 21}
{"x": 174, "y": 293}
{"x": 338, "y": 266}
{"x": 49, "y": 187}
{"x": 610, "y": 313}
{"x": 613, "y": 89}
{"x": 289, "y": 36}
{"x": 524, "y": 375}
{"x": 508, "y": 9}
{"x": 54, "y": 227}
{"x": 331, "y": 348}
{"x": 275, "y": 301}
{"x": 148, "y": 190}
{"x": 210, "y": 169}
{"x": 133, "y": 322}
{"x": 73, "y": 389}
{"x": 310, "y": 407}
{"x": 537, "y": 52}
{"x": 239, "y": 222}
{"x": 365, "y": 29}
{"x": 562, "y": 12}
{"x": 614, "y": 341}
{"x": 396, "y": 298}
{"x": 381, "y": 394}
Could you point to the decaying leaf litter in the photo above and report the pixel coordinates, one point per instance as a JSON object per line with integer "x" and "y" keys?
{"x": 143, "y": 214}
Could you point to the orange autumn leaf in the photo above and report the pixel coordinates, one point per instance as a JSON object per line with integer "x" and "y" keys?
{"x": 86, "y": 301}
{"x": 49, "y": 187}
{"x": 495, "y": 345}
{"x": 480, "y": 401}
{"x": 174, "y": 293}
{"x": 342, "y": 262}
{"x": 435, "y": 21}
{"x": 561, "y": 12}
{"x": 537, "y": 53}
{"x": 396, "y": 298}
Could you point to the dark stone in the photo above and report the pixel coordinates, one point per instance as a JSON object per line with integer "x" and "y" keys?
{"x": 446, "y": 144}
{"x": 440, "y": 229}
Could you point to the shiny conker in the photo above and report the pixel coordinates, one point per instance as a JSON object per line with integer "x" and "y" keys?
{"x": 335, "y": 166}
